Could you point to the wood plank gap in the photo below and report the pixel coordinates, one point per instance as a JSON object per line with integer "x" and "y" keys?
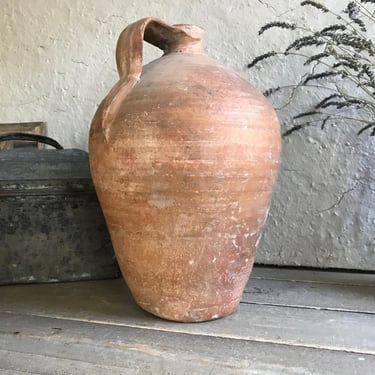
{"x": 312, "y": 281}
{"x": 332, "y": 296}
{"x": 308, "y": 307}
{"x": 193, "y": 333}
{"x": 313, "y": 269}
{"x": 314, "y": 276}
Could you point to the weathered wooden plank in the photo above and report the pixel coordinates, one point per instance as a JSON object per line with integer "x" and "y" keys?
{"x": 36, "y": 363}
{"x": 109, "y": 302}
{"x": 329, "y": 277}
{"x": 57, "y": 346}
{"x": 14, "y": 372}
{"x": 356, "y": 298}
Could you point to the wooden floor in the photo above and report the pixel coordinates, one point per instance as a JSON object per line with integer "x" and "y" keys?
{"x": 289, "y": 322}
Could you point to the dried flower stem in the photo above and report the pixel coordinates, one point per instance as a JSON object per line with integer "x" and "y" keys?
{"x": 365, "y": 11}
{"x": 330, "y": 117}
{"x": 345, "y": 53}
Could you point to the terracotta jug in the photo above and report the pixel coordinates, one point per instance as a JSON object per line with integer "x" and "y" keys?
{"x": 184, "y": 154}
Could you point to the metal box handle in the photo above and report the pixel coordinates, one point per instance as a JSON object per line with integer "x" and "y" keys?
{"x": 30, "y": 137}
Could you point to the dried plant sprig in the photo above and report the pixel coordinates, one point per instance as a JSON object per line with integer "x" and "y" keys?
{"x": 366, "y": 69}
{"x": 326, "y": 99}
{"x": 367, "y": 13}
{"x": 354, "y": 59}
{"x": 358, "y": 43}
{"x": 271, "y": 91}
{"x": 361, "y": 24}
{"x": 367, "y": 127}
{"x": 347, "y": 64}
{"x": 305, "y": 41}
{"x": 316, "y": 76}
{"x": 341, "y": 51}
{"x": 316, "y": 57}
{"x": 304, "y": 114}
{"x": 261, "y": 58}
{"x": 324, "y": 122}
{"x": 342, "y": 104}
{"x": 294, "y": 129}
{"x": 281, "y": 25}
{"x": 316, "y": 5}
{"x": 327, "y": 30}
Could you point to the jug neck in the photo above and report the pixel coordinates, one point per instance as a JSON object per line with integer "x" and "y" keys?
{"x": 188, "y": 41}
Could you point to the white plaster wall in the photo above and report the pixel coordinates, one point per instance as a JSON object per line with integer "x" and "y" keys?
{"x": 57, "y": 63}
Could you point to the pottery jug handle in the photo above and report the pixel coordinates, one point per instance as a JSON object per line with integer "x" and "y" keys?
{"x": 179, "y": 38}
{"x": 129, "y": 56}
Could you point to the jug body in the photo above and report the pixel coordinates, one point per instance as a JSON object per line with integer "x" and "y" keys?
{"x": 184, "y": 163}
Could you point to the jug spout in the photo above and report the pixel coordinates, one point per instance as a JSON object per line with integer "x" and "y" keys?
{"x": 190, "y": 40}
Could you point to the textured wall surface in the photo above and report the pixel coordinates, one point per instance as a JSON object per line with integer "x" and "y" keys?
{"x": 57, "y": 63}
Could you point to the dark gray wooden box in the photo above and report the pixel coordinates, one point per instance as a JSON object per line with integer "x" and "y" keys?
{"x": 51, "y": 225}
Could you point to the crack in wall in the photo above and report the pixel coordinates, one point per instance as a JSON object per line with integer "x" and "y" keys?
{"x": 339, "y": 200}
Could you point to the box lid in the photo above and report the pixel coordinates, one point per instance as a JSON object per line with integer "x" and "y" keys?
{"x": 29, "y": 170}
